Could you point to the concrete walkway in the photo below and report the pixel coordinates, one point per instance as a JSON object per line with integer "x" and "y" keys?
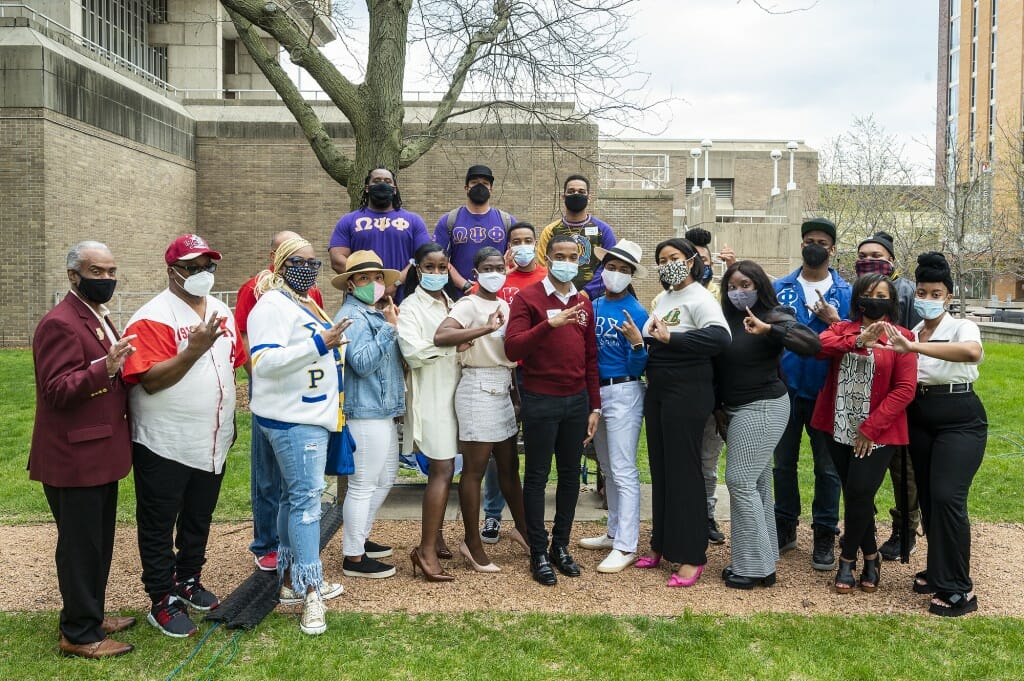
{"x": 404, "y": 503}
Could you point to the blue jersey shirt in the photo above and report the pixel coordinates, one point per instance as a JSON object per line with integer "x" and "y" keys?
{"x": 615, "y": 356}
{"x": 805, "y": 375}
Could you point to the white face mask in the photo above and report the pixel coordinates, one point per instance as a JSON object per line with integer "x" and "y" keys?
{"x": 616, "y": 282}
{"x": 199, "y": 284}
{"x": 491, "y": 281}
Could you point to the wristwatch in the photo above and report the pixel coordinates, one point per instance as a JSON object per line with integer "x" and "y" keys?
{"x": 859, "y": 343}
{"x": 637, "y": 347}
{"x": 595, "y": 411}
{"x": 468, "y": 285}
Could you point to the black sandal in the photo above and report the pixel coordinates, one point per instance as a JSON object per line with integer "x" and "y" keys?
{"x": 926, "y": 588}
{"x": 953, "y": 604}
{"x": 871, "y": 575}
{"x": 845, "y": 581}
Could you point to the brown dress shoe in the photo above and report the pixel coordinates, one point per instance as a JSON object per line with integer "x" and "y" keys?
{"x": 114, "y": 624}
{"x": 108, "y": 647}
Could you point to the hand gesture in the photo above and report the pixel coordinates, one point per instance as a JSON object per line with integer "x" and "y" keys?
{"x": 630, "y": 330}
{"x": 871, "y": 334}
{"x": 592, "y": 422}
{"x": 495, "y": 321}
{"x": 727, "y": 255}
{"x": 118, "y": 353}
{"x": 335, "y": 336}
{"x": 390, "y": 312}
{"x": 659, "y": 330}
{"x": 566, "y": 316}
{"x": 201, "y": 337}
{"x": 755, "y": 326}
{"x": 510, "y": 261}
{"x": 897, "y": 341}
{"x": 823, "y": 310}
{"x": 862, "y": 446}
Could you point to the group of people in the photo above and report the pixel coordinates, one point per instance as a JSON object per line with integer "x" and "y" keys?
{"x": 463, "y": 337}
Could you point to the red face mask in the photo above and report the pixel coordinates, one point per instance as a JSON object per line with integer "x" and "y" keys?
{"x": 873, "y": 266}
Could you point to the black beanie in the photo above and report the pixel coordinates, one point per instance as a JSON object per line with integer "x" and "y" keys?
{"x": 883, "y": 239}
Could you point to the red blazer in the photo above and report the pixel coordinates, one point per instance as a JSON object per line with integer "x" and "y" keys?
{"x": 81, "y": 436}
{"x": 891, "y": 390}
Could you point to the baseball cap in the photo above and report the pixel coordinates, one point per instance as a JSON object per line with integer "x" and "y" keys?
{"x": 819, "y": 225}
{"x": 189, "y": 247}
{"x": 479, "y": 171}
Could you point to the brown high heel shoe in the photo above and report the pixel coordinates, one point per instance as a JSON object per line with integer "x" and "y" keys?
{"x": 417, "y": 562}
{"x": 490, "y": 567}
{"x": 443, "y": 552}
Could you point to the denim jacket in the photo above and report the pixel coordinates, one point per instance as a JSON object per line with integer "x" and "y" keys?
{"x": 374, "y": 380}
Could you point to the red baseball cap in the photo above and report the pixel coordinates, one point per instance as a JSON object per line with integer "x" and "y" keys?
{"x": 189, "y": 247}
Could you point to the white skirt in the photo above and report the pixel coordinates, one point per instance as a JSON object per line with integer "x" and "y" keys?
{"x": 483, "y": 405}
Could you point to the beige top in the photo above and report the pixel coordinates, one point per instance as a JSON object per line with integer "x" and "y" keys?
{"x": 487, "y": 351}
{"x": 434, "y": 374}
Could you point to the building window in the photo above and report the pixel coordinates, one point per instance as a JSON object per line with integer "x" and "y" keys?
{"x": 230, "y": 57}
{"x": 119, "y": 28}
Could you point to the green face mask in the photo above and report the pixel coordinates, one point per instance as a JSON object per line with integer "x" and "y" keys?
{"x": 369, "y": 292}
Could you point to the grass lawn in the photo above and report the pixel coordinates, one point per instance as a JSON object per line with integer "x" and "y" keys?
{"x": 526, "y": 646}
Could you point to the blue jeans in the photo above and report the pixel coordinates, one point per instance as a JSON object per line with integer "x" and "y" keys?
{"x": 825, "y": 506}
{"x": 301, "y": 453}
{"x": 264, "y": 492}
{"x": 494, "y": 502}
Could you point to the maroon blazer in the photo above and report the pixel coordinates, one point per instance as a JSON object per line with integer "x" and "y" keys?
{"x": 81, "y": 436}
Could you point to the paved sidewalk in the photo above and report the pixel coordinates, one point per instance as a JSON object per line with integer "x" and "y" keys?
{"x": 404, "y": 503}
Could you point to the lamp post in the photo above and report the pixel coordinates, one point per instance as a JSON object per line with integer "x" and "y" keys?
{"x": 695, "y": 154}
{"x": 776, "y": 155}
{"x": 791, "y": 146}
{"x": 706, "y": 145}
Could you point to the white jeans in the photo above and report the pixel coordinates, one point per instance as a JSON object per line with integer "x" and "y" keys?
{"x": 618, "y": 432}
{"x": 376, "y": 466}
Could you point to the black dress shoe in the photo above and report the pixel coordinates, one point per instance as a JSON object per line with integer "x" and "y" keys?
{"x": 734, "y": 581}
{"x": 540, "y": 566}
{"x": 563, "y": 560}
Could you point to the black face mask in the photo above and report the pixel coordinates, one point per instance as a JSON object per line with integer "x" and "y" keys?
{"x": 381, "y": 194}
{"x": 97, "y": 291}
{"x": 575, "y": 203}
{"x": 479, "y": 194}
{"x": 874, "y": 308}
{"x": 707, "y": 276}
{"x": 814, "y": 255}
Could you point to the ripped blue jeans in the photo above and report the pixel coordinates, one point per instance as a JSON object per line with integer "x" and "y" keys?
{"x": 301, "y": 454}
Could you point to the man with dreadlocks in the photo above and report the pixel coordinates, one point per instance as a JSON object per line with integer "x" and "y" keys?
{"x": 380, "y": 225}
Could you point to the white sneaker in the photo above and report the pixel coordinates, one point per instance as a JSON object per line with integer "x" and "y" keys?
{"x": 602, "y": 542}
{"x": 328, "y": 590}
{"x": 616, "y": 561}
{"x": 314, "y": 617}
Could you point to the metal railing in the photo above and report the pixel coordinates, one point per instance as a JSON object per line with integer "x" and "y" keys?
{"x": 64, "y": 35}
{"x": 753, "y": 219}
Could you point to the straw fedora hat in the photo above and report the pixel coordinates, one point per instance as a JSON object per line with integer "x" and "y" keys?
{"x": 626, "y": 251}
{"x": 363, "y": 261}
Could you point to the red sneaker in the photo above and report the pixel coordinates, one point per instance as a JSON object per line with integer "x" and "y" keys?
{"x": 268, "y": 562}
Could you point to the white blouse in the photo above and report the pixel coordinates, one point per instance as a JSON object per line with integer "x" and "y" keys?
{"x": 932, "y": 371}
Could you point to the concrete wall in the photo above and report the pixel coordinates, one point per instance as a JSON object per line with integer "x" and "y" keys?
{"x": 644, "y": 217}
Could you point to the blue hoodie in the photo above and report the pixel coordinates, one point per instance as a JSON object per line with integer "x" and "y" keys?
{"x": 805, "y": 375}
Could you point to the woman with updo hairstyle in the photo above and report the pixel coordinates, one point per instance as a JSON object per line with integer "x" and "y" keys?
{"x": 685, "y": 330}
{"x": 430, "y": 425}
{"x": 297, "y": 393}
{"x": 862, "y": 406}
{"x": 948, "y": 433}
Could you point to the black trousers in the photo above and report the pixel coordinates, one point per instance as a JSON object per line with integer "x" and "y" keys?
{"x": 861, "y": 479}
{"x": 552, "y": 424}
{"x": 948, "y": 434}
{"x": 677, "y": 405}
{"x": 85, "y": 544}
{"x": 173, "y": 509}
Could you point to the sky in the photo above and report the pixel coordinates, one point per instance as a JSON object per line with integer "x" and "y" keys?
{"x": 734, "y": 71}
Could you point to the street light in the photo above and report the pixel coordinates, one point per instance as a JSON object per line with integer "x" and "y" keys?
{"x": 706, "y": 145}
{"x": 695, "y": 154}
{"x": 776, "y": 155}
{"x": 791, "y": 146}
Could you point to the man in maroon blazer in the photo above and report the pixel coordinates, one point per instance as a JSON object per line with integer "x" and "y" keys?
{"x": 81, "y": 444}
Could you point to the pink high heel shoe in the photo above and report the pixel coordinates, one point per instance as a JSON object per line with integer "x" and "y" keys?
{"x": 647, "y": 562}
{"x": 675, "y": 580}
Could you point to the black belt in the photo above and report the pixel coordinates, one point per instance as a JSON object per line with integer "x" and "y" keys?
{"x": 943, "y": 388}
{"x": 619, "y": 379}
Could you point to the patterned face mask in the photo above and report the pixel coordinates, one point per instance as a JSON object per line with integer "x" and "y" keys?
{"x": 674, "y": 272}
{"x": 873, "y": 266}
{"x": 300, "y": 279}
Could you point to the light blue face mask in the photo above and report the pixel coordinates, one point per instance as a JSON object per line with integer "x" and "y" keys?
{"x": 929, "y": 309}
{"x": 433, "y": 282}
{"x": 524, "y": 254}
{"x": 564, "y": 270}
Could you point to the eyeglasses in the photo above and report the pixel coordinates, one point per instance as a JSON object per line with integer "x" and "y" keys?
{"x": 196, "y": 269}
{"x": 303, "y": 262}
